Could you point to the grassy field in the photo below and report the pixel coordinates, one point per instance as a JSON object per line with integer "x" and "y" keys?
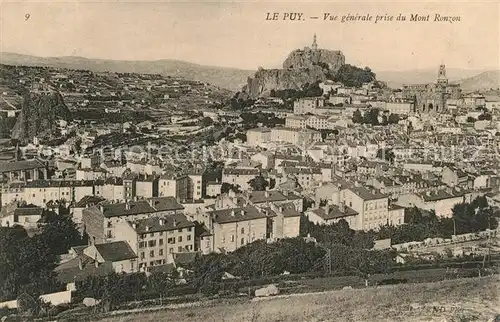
{"x": 472, "y": 299}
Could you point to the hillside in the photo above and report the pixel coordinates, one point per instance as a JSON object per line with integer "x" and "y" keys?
{"x": 483, "y": 81}
{"x": 39, "y": 113}
{"x": 229, "y": 78}
{"x": 474, "y": 299}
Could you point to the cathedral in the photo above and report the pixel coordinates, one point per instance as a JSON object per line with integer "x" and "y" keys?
{"x": 431, "y": 98}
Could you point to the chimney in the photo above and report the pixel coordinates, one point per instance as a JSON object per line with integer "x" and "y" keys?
{"x": 242, "y": 212}
{"x": 161, "y": 221}
{"x": 233, "y": 213}
{"x": 266, "y": 194}
{"x": 101, "y": 208}
{"x": 327, "y": 209}
{"x": 175, "y": 222}
{"x": 80, "y": 263}
{"x": 342, "y": 207}
{"x": 281, "y": 208}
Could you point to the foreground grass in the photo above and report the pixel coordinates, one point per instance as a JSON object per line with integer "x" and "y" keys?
{"x": 473, "y": 299}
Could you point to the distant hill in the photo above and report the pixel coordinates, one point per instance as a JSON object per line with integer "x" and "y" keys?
{"x": 229, "y": 78}
{"x": 484, "y": 81}
{"x": 396, "y": 79}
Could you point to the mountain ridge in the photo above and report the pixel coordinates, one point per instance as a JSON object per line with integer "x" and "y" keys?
{"x": 224, "y": 77}
{"x": 227, "y": 77}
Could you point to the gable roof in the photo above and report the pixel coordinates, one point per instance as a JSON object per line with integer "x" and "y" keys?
{"x": 334, "y": 212}
{"x": 115, "y": 251}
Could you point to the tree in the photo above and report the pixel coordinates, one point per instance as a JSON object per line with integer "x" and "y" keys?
{"x": 206, "y": 121}
{"x": 357, "y": 117}
{"x": 394, "y": 119}
{"x": 259, "y": 183}
{"x": 60, "y": 233}
{"x": 226, "y": 187}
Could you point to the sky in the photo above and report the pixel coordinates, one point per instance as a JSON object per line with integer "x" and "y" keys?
{"x": 237, "y": 34}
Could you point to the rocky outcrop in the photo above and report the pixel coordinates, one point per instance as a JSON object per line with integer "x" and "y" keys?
{"x": 266, "y": 80}
{"x": 302, "y": 66}
{"x": 307, "y": 58}
{"x": 39, "y": 114}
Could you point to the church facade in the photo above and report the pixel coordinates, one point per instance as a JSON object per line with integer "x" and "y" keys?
{"x": 431, "y": 98}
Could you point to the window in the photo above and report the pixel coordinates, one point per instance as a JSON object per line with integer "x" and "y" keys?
{"x": 141, "y": 244}
{"x": 161, "y": 252}
{"x": 160, "y": 242}
{"x": 152, "y": 235}
{"x": 152, "y": 253}
{"x": 143, "y": 236}
{"x": 243, "y": 241}
{"x": 190, "y": 228}
{"x": 232, "y": 238}
{"x": 179, "y": 249}
{"x": 188, "y": 237}
{"x": 242, "y": 230}
{"x": 110, "y": 224}
{"x": 142, "y": 255}
{"x": 161, "y": 233}
{"x": 180, "y": 239}
{"x": 152, "y": 243}
{"x": 180, "y": 230}
{"x": 170, "y": 250}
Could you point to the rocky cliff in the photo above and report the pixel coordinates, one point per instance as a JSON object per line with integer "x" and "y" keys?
{"x": 39, "y": 114}
{"x": 301, "y": 67}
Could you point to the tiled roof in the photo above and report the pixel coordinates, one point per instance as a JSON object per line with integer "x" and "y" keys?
{"x": 115, "y": 251}
{"x": 20, "y": 165}
{"x": 88, "y": 201}
{"x": 264, "y": 196}
{"x": 224, "y": 216}
{"x": 334, "y": 212}
{"x": 171, "y": 222}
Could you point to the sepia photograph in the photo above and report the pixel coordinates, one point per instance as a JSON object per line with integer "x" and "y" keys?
{"x": 255, "y": 161}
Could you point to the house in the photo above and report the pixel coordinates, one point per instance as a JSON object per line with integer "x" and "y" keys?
{"x": 440, "y": 201}
{"x": 265, "y": 158}
{"x": 76, "y": 209}
{"x": 28, "y": 217}
{"x": 96, "y": 260}
{"x": 239, "y": 177}
{"x": 454, "y": 177}
{"x": 213, "y": 188}
{"x": 236, "y": 227}
{"x": 157, "y": 239}
{"x": 333, "y": 214}
{"x": 24, "y": 170}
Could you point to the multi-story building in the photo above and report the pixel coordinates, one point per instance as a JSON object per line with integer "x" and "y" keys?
{"x": 236, "y": 227}
{"x": 156, "y": 239}
{"x": 40, "y": 192}
{"x": 258, "y": 136}
{"x": 307, "y": 105}
{"x": 239, "y": 177}
{"x": 295, "y": 136}
{"x": 99, "y": 221}
{"x": 173, "y": 185}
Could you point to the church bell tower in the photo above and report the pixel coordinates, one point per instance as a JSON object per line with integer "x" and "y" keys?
{"x": 442, "y": 80}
